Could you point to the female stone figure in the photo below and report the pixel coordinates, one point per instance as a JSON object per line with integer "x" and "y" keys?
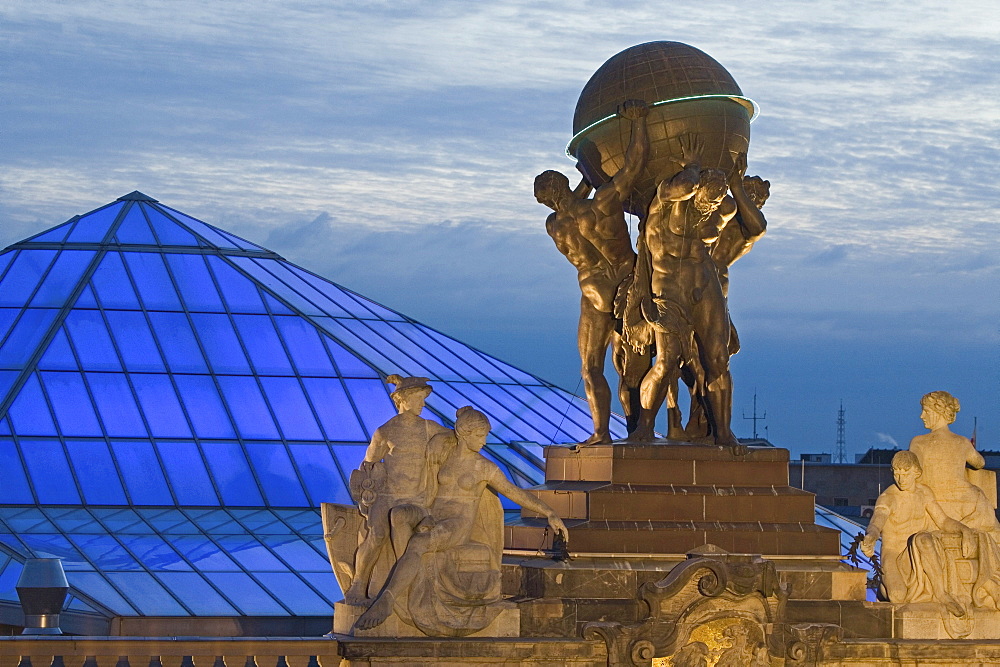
{"x": 447, "y": 582}
{"x": 944, "y": 455}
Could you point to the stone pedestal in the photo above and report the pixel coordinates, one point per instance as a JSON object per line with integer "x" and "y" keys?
{"x": 669, "y": 498}
{"x": 507, "y": 624}
{"x": 929, "y": 620}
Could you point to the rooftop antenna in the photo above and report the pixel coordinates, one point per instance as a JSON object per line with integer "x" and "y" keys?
{"x": 755, "y": 418}
{"x": 841, "y": 455}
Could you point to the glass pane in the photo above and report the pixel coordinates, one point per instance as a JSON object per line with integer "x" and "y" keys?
{"x": 276, "y": 474}
{"x": 349, "y": 457}
{"x": 62, "y": 278}
{"x": 6, "y": 382}
{"x": 246, "y": 594}
{"x": 263, "y": 345}
{"x": 89, "y": 335}
{"x": 296, "y": 595}
{"x": 5, "y": 259}
{"x": 135, "y": 341}
{"x": 319, "y": 472}
{"x": 112, "y": 284}
{"x": 50, "y": 473}
{"x": 291, "y": 408}
{"x": 372, "y": 401}
{"x": 203, "y": 553}
{"x": 116, "y": 405}
{"x": 105, "y": 552}
{"x": 250, "y": 553}
{"x": 335, "y": 412}
{"x": 376, "y": 352}
{"x": 7, "y": 317}
{"x": 232, "y": 473}
{"x": 146, "y": 594}
{"x": 197, "y": 594}
{"x": 194, "y": 282}
{"x": 250, "y": 412}
{"x": 460, "y": 364}
{"x": 188, "y": 477}
{"x": 576, "y": 424}
{"x": 142, "y": 472}
{"x": 29, "y": 415}
{"x": 168, "y": 231}
{"x": 93, "y": 227}
{"x": 160, "y": 406}
{"x": 178, "y": 343}
{"x": 378, "y": 309}
{"x": 239, "y": 291}
{"x": 239, "y": 241}
{"x": 74, "y": 520}
{"x": 305, "y": 346}
{"x": 122, "y": 521}
{"x": 96, "y": 472}
{"x": 333, "y": 292}
{"x": 134, "y": 228}
{"x": 71, "y": 404}
{"x": 432, "y": 366}
{"x": 28, "y": 520}
{"x": 284, "y": 272}
{"x": 25, "y": 336}
{"x": 153, "y": 552}
{"x": 86, "y": 299}
{"x": 58, "y": 356}
{"x": 297, "y": 300}
{"x": 203, "y": 230}
{"x": 261, "y": 522}
{"x": 276, "y": 307}
{"x": 55, "y": 235}
{"x": 15, "y": 489}
{"x": 215, "y": 521}
{"x": 348, "y": 364}
{"x": 218, "y": 339}
{"x": 326, "y": 584}
{"x": 169, "y": 522}
{"x": 98, "y": 588}
{"x": 23, "y": 276}
{"x": 208, "y": 415}
{"x": 298, "y": 554}
{"x": 152, "y": 280}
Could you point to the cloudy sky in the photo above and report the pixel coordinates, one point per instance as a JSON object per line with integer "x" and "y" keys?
{"x": 391, "y": 147}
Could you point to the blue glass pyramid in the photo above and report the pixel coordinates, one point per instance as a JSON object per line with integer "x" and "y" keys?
{"x": 167, "y": 388}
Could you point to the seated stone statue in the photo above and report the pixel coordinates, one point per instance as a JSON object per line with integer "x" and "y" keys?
{"x": 929, "y": 555}
{"x": 944, "y": 456}
{"x": 397, "y": 478}
{"x": 911, "y": 525}
{"x": 447, "y": 581}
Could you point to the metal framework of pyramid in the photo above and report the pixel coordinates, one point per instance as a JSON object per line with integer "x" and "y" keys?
{"x": 176, "y": 402}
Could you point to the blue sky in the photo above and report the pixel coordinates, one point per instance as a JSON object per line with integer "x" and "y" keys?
{"x": 391, "y": 147}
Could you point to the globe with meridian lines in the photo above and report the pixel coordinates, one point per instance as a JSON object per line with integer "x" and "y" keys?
{"x": 689, "y": 93}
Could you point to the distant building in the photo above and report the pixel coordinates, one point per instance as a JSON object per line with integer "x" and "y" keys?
{"x": 851, "y": 489}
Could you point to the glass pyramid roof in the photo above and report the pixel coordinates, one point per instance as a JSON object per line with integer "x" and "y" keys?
{"x": 150, "y": 360}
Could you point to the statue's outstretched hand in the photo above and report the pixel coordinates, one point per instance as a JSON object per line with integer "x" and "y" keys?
{"x": 558, "y": 527}
{"x": 633, "y": 109}
{"x": 868, "y": 544}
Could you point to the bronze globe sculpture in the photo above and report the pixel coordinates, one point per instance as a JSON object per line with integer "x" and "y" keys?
{"x": 689, "y": 93}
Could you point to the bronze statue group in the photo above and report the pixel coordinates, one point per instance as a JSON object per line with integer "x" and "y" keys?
{"x": 661, "y": 306}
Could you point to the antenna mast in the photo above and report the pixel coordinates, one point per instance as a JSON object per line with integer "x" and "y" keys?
{"x": 755, "y": 418}
{"x": 841, "y": 455}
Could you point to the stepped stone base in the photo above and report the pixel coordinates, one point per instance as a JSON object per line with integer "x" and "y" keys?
{"x": 670, "y": 498}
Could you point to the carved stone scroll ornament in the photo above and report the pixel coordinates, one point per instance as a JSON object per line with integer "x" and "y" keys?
{"x": 714, "y": 608}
